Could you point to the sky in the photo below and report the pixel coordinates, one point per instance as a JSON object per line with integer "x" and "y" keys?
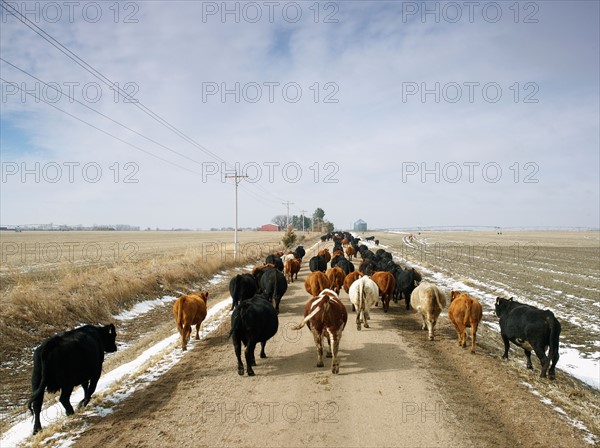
{"x": 403, "y": 114}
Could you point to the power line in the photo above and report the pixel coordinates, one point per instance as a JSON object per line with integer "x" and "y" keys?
{"x": 82, "y": 63}
{"x": 105, "y": 132}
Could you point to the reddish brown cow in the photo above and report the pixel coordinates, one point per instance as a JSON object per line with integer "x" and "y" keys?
{"x": 386, "y": 282}
{"x": 189, "y": 310}
{"x": 336, "y": 277}
{"x": 292, "y": 267}
{"x": 348, "y": 280}
{"x": 326, "y": 316}
{"x": 465, "y": 311}
{"x": 325, "y": 254}
{"x": 315, "y": 283}
{"x": 345, "y": 242}
{"x": 351, "y": 278}
{"x": 350, "y": 252}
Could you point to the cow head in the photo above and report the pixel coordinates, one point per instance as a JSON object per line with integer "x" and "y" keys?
{"x": 502, "y": 304}
{"x": 454, "y": 295}
{"x": 108, "y": 334}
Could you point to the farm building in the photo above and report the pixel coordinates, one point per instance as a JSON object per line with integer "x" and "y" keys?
{"x": 360, "y": 226}
{"x": 270, "y": 228}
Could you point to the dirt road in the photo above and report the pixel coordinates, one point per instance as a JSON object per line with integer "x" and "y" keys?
{"x": 395, "y": 388}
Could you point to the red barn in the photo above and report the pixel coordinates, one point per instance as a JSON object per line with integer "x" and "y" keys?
{"x": 270, "y": 228}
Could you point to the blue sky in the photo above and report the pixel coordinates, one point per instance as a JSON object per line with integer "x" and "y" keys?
{"x": 372, "y": 110}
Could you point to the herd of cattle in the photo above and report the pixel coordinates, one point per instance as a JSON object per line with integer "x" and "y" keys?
{"x": 75, "y": 357}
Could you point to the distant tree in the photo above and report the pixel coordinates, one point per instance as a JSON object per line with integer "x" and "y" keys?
{"x": 280, "y": 220}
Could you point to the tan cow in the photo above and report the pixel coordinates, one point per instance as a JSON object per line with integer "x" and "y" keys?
{"x": 429, "y": 301}
{"x": 465, "y": 311}
{"x": 292, "y": 267}
{"x": 315, "y": 283}
{"x": 189, "y": 310}
{"x": 350, "y": 252}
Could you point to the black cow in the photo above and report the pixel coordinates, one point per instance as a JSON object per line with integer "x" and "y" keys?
{"x": 242, "y": 287}
{"x": 299, "y": 253}
{"x": 67, "y": 360}
{"x": 368, "y": 266}
{"x": 253, "y": 321}
{"x": 275, "y": 260}
{"x": 317, "y": 263}
{"x": 531, "y": 329}
{"x": 406, "y": 281}
{"x": 334, "y": 261}
{"x": 274, "y": 285}
{"x": 346, "y": 265}
{"x": 370, "y": 238}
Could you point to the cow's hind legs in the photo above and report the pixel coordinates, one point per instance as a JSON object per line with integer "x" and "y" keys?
{"x": 262, "y": 349}
{"x": 237, "y": 346}
{"x": 319, "y": 344}
{"x": 366, "y": 318}
{"x": 88, "y": 390}
{"x": 65, "y": 394}
{"x": 329, "y": 352}
{"x": 250, "y": 361}
{"x": 544, "y": 360}
{"x": 528, "y": 354}
{"x": 335, "y": 363}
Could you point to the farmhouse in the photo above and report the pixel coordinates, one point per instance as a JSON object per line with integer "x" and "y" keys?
{"x": 270, "y": 228}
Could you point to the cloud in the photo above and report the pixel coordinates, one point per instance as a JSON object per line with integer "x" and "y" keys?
{"x": 333, "y": 114}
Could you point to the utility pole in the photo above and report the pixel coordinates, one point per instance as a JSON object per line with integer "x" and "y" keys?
{"x": 287, "y": 204}
{"x": 303, "y": 212}
{"x": 236, "y": 179}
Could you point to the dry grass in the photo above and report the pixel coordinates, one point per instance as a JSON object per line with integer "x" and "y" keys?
{"x": 42, "y": 297}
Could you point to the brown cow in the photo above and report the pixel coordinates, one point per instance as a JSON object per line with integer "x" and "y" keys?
{"x": 292, "y": 267}
{"x": 336, "y": 277}
{"x": 350, "y": 252}
{"x": 351, "y": 278}
{"x": 465, "y": 311}
{"x": 316, "y": 282}
{"x": 345, "y": 242}
{"x": 326, "y": 316}
{"x": 386, "y": 282}
{"x": 325, "y": 254}
{"x": 189, "y": 310}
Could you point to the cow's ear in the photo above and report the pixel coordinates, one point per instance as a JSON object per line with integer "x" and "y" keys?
{"x": 497, "y": 300}
{"x": 511, "y": 299}
{"x": 112, "y": 329}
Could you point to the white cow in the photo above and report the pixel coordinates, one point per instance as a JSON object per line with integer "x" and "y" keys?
{"x": 287, "y": 257}
{"x": 363, "y": 294}
{"x": 428, "y": 300}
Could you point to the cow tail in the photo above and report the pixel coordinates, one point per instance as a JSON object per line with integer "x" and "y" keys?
{"x": 180, "y": 316}
{"x": 325, "y": 307}
{"x": 436, "y": 291}
{"x": 235, "y": 319}
{"x": 554, "y": 336}
{"x": 38, "y": 394}
{"x": 361, "y": 299}
{"x": 467, "y": 312}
